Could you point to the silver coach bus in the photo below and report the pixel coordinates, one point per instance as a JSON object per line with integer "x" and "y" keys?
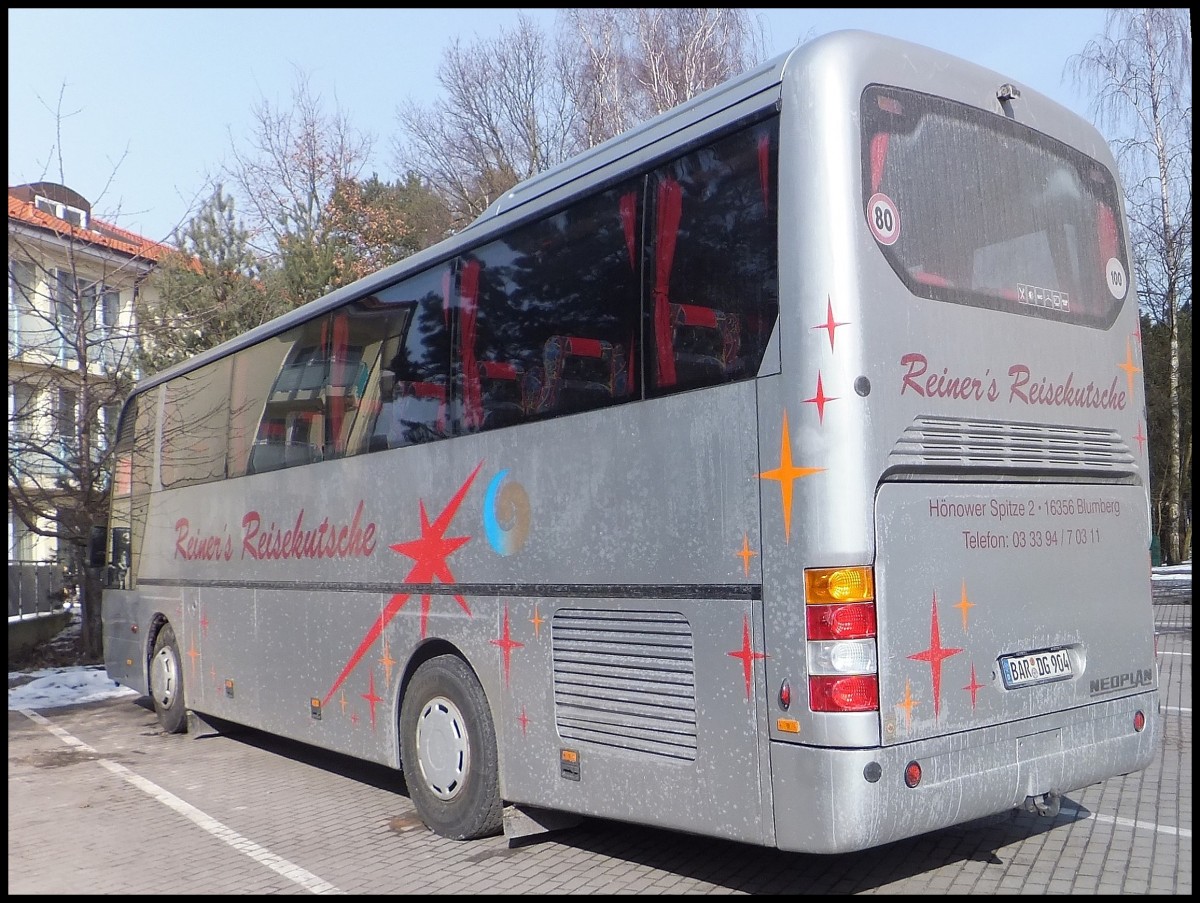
{"x": 775, "y": 471}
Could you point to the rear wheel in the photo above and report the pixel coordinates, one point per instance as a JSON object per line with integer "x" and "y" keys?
{"x": 166, "y": 682}
{"x": 448, "y": 751}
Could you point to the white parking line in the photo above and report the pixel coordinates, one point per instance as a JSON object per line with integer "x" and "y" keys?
{"x": 305, "y": 879}
{"x": 1129, "y": 822}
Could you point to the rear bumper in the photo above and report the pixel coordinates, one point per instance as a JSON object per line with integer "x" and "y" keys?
{"x": 824, "y": 802}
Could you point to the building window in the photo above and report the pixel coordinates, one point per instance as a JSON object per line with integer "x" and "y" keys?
{"x": 20, "y": 540}
{"x": 21, "y": 286}
{"x": 110, "y": 308}
{"x": 21, "y": 414}
{"x": 63, "y": 300}
{"x": 72, "y": 215}
{"x": 66, "y": 414}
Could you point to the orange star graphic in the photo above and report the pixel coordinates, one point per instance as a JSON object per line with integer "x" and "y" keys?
{"x": 787, "y": 474}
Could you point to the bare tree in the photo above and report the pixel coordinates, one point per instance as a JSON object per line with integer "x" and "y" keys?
{"x": 506, "y": 116}
{"x": 675, "y": 54}
{"x": 604, "y": 89}
{"x": 294, "y": 161}
{"x": 520, "y": 103}
{"x": 1140, "y": 70}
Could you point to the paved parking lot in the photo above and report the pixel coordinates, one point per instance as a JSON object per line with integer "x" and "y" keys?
{"x": 101, "y": 802}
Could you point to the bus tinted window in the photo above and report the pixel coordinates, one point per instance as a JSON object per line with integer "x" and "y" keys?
{"x": 711, "y": 272}
{"x": 549, "y": 315}
{"x": 974, "y": 208}
{"x": 195, "y": 426}
{"x": 405, "y": 332}
{"x": 290, "y": 425}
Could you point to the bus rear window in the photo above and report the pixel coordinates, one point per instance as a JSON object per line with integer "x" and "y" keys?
{"x": 971, "y": 207}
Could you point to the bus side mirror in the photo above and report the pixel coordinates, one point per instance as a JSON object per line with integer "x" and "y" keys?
{"x": 95, "y": 548}
{"x": 120, "y": 547}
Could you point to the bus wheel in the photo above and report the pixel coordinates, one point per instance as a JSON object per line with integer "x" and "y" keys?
{"x": 166, "y": 682}
{"x": 448, "y": 751}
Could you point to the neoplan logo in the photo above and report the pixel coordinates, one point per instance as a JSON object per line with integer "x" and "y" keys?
{"x": 1143, "y": 677}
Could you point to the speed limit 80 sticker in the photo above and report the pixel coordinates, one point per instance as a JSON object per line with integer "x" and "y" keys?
{"x": 883, "y": 218}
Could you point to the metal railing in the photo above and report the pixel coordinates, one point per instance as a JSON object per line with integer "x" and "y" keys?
{"x": 35, "y": 586}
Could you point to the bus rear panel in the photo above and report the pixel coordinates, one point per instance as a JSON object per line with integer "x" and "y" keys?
{"x": 965, "y": 411}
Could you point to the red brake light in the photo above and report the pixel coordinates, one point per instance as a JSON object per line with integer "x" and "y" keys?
{"x": 854, "y": 621}
{"x": 850, "y": 693}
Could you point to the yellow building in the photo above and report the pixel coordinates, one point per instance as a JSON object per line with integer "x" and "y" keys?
{"x": 74, "y": 282}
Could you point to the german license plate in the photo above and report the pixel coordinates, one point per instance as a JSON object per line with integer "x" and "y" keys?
{"x": 1035, "y": 668}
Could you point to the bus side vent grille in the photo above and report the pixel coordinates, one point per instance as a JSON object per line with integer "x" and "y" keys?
{"x": 943, "y": 443}
{"x": 626, "y": 680}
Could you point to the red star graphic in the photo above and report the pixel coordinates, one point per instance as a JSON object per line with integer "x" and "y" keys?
{"x": 507, "y": 645}
{"x": 1141, "y": 439}
{"x": 430, "y": 553}
{"x": 820, "y": 398}
{"x": 829, "y": 324}
{"x": 746, "y": 655}
{"x": 973, "y": 687}
{"x": 371, "y": 698}
{"x": 524, "y": 721}
{"x": 935, "y": 655}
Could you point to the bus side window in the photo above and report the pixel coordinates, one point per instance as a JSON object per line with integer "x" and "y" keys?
{"x": 710, "y": 262}
{"x": 581, "y": 373}
{"x": 501, "y": 386}
{"x": 418, "y": 413}
{"x": 556, "y": 322}
{"x": 705, "y": 342}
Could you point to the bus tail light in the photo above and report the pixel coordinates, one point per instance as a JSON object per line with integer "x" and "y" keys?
{"x": 833, "y": 622}
{"x": 912, "y": 774}
{"x": 843, "y": 663}
{"x": 825, "y": 585}
{"x": 855, "y": 693}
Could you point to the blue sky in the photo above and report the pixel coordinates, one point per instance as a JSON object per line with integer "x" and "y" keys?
{"x": 153, "y": 98}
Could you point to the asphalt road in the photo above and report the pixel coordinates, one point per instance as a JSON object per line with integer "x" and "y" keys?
{"x": 101, "y": 802}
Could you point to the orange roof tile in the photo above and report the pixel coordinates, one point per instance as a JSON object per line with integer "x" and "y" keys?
{"x": 112, "y": 237}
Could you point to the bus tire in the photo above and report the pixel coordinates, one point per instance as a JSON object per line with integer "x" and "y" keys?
{"x": 448, "y": 751}
{"x": 166, "y": 682}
